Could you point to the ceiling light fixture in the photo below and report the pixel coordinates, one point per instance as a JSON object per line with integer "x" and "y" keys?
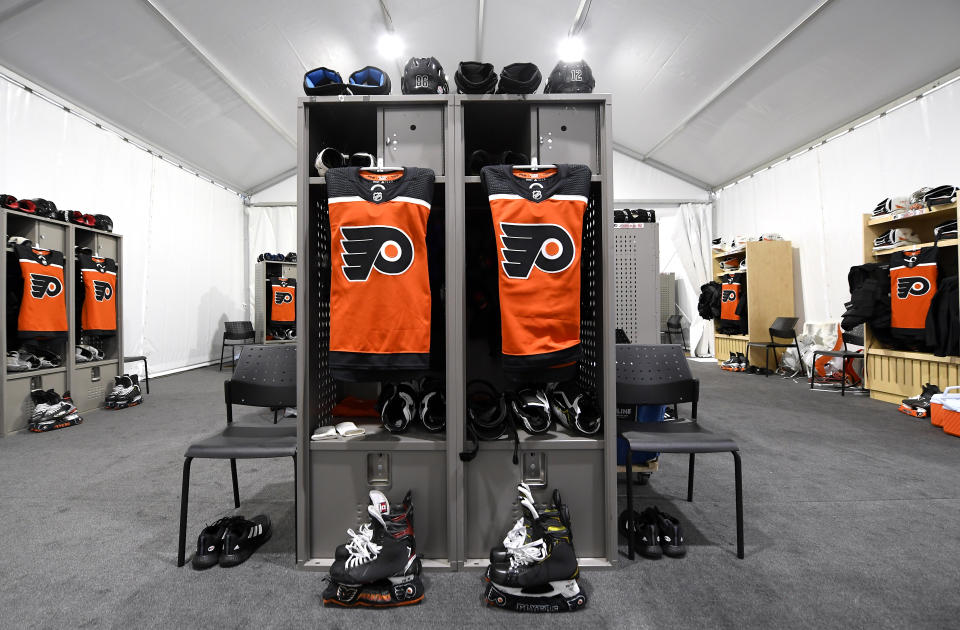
{"x": 390, "y": 46}
{"x": 570, "y": 49}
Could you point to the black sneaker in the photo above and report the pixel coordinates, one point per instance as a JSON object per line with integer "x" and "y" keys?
{"x": 669, "y": 531}
{"x": 210, "y": 543}
{"x": 646, "y": 541}
{"x": 242, "y": 538}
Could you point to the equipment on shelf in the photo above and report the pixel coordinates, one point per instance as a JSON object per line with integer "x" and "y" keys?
{"x": 380, "y": 298}
{"x": 369, "y": 80}
{"x": 125, "y": 393}
{"x": 43, "y": 305}
{"x": 51, "y": 411}
{"x": 98, "y": 289}
{"x": 397, "y": 406}
{"x": 568, "y": 77}
{"x": 45, "y": 208}
{"x": 896, "y": 237}
{"x": 634, "y": 216}
{"x": 919, "y": 406}
{"x": 9, "y": 202}
{"x": 326, "y": 82}
{"x": 424, "y": 75}
{"x": 290, "y": 257}
{"x": 332, "y": 158}
{"x": 537, "y": 213}
{"x": 575, "y": 408}
{"x": 531, "y": 409}
{"x": 536, "y": 568}
{"x": 13, "y": 241}
{"x": 481, "y": 157}
{"x": 947, "y": 229}
{"x": 322, "y": 82}
{"x": 519, "y": 78}
{"x": 378, "y": 567}
{"x": 432, "y": 405}
{"x": 80, "y": 218}
{"x": 86, "y": 353}
{"x": 475, "y": 77}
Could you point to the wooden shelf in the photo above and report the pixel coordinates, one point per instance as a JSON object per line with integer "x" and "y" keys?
{"x": 733, "y": 337}
{"x": 949, "y": 242}
{"x": 947, "y": 208}
{"x": 734, "y": 252}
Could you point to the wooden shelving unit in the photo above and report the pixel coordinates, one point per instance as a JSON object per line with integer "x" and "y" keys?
{"x": 892, "y": 375}
{"x": 769, "y": 295}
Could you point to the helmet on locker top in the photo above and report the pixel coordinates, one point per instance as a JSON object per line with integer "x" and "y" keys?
{"x": 424, "y": 75}
{"x": 574, "y": 77}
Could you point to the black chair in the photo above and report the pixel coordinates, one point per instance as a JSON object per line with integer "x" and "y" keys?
{"x": 782, "y": 328}
{"x": 660, "y": 375}
{"x": 854, "y": 337}
{"x": 235, "y": 334}
{"x": 674, "y": 327}
{"x": 265, "y": 376}
{"x": 146, "y": 372}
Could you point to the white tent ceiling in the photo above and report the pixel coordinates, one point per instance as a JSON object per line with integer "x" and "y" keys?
{"x": 709, "y": 89}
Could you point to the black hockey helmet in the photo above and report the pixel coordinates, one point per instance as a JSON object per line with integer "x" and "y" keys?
{"x": 369, "y": 80}
{"x": 424, "y": 75}
{"x": 25, "y": 205}
{"x": 44, "y": 208}
{"x": 570, "y": 77}
{"x": 398, "y": 406}
{"x": 475, "y": 77}
{"x": 433, "y": 408}
{"x": 486, "y": 410}
{"x": 322, "y": 82}
{"x": 519, "y": 78}
{"x": 575, "y": 409}
{"x": 532, "y": 409}
{"x": 103, "y": 222}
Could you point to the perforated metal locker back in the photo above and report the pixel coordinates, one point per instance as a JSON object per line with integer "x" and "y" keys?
{"x": 637, "y": 281}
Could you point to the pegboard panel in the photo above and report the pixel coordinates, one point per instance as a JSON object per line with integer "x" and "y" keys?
{"x": 326, "y": 393}
{"x": 637, "y": 281}
{"x": 590, "y": 293}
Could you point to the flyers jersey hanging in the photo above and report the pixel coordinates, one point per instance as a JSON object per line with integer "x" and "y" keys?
{"x": 379, "y": 278}
{"x": 99, "y": 312}
{"x": 733, "y": 302}
{"x": 538, "y": 223}
{"x": 43, "y": 309}
{"x": 282, "y": 297}
{"x": 913, "y": 283}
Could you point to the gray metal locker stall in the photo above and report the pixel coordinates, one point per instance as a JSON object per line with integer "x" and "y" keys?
{"x": 87, "y": 382}
{"x": 262, "y": 270}
{"x": 462, "y": 508}
{"x": 637, "y": 274}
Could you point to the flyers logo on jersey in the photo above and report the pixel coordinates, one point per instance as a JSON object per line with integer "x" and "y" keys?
{"x": 912, "y": 285}
{"x": 282, "y": 297}
{"x": 102, "y": 291}
{"x": 729, "y": 295}
{"x": 387, "y": 249}
{"x": 41, "y": 286}
{"x": 546, "y": 246}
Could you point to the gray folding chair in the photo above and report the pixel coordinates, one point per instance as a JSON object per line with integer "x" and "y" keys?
{"x": 235, "y": 334}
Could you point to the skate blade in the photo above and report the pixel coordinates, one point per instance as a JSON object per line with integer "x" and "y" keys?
{"x": 366, "y": 604}
{"x": 497, "y": 598}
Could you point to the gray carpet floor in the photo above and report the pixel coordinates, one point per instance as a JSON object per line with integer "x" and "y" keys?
{"x": 851, "y": 522}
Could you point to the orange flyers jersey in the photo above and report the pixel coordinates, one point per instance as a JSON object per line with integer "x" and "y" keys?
{"x": 282, "y": 296}
{"x": 379, "y": 278}
{"x": 99, "y": 311}
{"x": 538, "y": 223}
{"x": 729, "y": 299}
{"x": 913, "y": 282}
{"x": 43, "y": 308}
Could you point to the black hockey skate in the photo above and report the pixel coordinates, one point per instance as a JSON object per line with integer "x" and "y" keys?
{"x": 919, "y": 407}
{"x": 379, "y": 567}
{"x": 539, "y": 571}
{"x": 128, "y": 394}
{"x": 554, "y": 515}
{"x": 51, "y": 411}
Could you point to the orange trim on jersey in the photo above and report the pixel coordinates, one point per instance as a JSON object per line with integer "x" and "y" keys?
{"x": 381, "y": 177}
{"x": 534, "y": 175}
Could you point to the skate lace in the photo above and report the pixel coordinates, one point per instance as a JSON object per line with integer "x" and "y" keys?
{"x": 529, "y": 553}
{"x": 361, "y": 546}
{"x": 516, "y": 536}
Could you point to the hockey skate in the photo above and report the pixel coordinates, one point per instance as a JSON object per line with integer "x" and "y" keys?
{"x": 52, "y": 412}
{"x": 127, "y": 392}
{"x": 379, "y": 567}
{"x": 536, "y": 568}
{"x": 919, "y": 407}
{"x": 732, "y": 364}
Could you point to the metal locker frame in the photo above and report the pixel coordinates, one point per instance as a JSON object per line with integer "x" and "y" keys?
{"x": 556, "y": 444}
{"x": 637, "y": 279}
{"x": 260, "y": 297}
{"x": 312, "y": 376}
{"x": 68, "y": 376}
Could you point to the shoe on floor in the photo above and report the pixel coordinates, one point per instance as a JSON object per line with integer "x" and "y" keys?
{"x": 242, "y": 538}
{"x": 742, "y": 362}
{"x": 646, "y": 540}
{"x": 919, "y": 407}
{"x": 669, "y": 532}
{"x": 731, "y": 364}
{"x": 210, "y": 543}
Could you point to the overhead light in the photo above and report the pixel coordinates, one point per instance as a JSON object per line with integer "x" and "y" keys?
{"x": 570, "y": 49}
{"x": 390, "y": 46}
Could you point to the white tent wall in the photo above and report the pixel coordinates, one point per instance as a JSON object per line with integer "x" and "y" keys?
{"x": 271, "y": 228}
{"x": 817, "y": 199}
{"x": 183, "y": 236}
{"x": 632, "y": 179}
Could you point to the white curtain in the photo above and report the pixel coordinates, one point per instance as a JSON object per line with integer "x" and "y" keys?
{"x": 270, "y": 229}
{"x": 692, "y": 242}
{"x": 183, "y": 248}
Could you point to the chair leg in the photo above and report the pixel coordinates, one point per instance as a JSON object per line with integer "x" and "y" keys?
{"x": 630, "y": 523}
{"x": 766, "y": 361}
{"x": 184, "y": 498}
{"x": 813, "y": 370}
{"x": 236, "y": 487}
{"x": 738, "y": 473}
{"x": 275, "y": 416}
{"x": 295, "y": 541}
{"x": 803, "y": 368}
{"x": 146, "y": 375}
{"x": 690, "y": 477}
{"x": 843, "y": 376}
{"x": 222, "y": 348}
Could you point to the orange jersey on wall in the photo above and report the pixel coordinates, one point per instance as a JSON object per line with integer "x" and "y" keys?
{"x": 282, "y": 295}
{"x": 379, "y": 278}
{"x": 43, "y": 309}
{"x": 99, "y": 312}
{"x": 729, "y": 300}
{"x": 538, "y": 223}
{"x": 913, "y": 283}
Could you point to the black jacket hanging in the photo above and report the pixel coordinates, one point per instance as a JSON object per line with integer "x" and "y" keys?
{"x": 943, "y": 319}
